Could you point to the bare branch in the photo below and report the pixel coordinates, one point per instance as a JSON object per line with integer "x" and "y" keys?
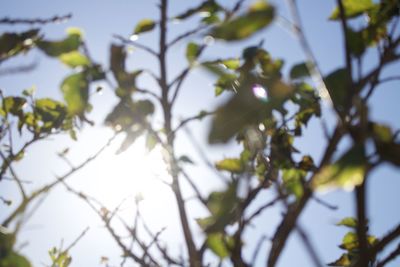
{"x": 394, "y": 254}
{"x": 309, "y": 246}
{"x": 55, "y": 19}
{"x": 136, "y": 44}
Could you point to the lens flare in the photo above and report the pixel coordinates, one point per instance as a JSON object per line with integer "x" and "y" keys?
{"x": 260, "y": 92}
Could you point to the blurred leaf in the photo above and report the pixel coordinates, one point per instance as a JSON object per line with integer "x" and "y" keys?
{"x": 74, "y": 31}
{"x": 192, "y": 52}
{"x": 349, "y": 222}
{"x": 151, "y": 141}
{"x": 230, "y": 165}
{"x": 337, "y": 83}
{"x": 57, "y": 48}
{"x": 128, "y": 113}
{"x": 52, "y": 113}
{"x": 232, "y": 63}
{"x": 387, "y": 148}
{"x": 144, "y": 25}
{"x": 222, "y": 206}
{"x": 29, "y": 91}
{"x": 14, "y": 259}
{"x": 126, "y": 81}
{"x": 299, "y": 71}
{"x": 206, "y": 6}
{"x": 349, "y": 241}
{"x": 13, "y": 105}
{"x": 353, "y": 8}
{"x": 220, "y": 244}
{"x": 13, "y": 43}
{"x": 74, "y": 59}
{"x": 382, "y": 133}
{"x": 292, "y": 180}
{"x": 347, "y": 172}
{"x": 342, "y": 261}
{"x": 76, "y": 93}
{"x": 241, "y": 110}
{"x": 258, "y": 17}
{"x": 186, "y": 159}
{"x": 356, "y": 42}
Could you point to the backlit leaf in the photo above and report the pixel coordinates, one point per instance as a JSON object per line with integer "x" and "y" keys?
{"x": 76, "y": 93}
{"x": 346, "y": 173}
{"x": 209, "y": 6}
{"x": 342, "y": 261}
{"x": 220, "y": 244}
{"x": 13, "y": 105}
{"x": 231, "y": 165}
{"x": 349, "y": 222}
{"x": 192, "y": 52}
{"x": 56, "y": 48}
{"x": 353, "y": 8}
{"x": 74, "y": 59}
{"x": 258, "y": 17}
{"x": 144, "y": 25}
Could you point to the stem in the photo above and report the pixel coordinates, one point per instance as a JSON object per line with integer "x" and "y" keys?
{"x": 194, "y": 256}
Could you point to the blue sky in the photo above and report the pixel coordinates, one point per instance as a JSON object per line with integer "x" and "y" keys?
{"x": 100, "y": 19}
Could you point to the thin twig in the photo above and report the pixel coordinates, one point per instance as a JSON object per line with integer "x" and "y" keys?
{"x": 309, "y": 246}
{"x": 186, "y": 35}
{"x": 394, "y": 254}
{"x": 55, "y": 19}
{"x": 312, "y": 65}
{"x": 136, "y": 44}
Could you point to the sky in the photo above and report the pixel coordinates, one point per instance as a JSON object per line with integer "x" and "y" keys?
{"x": 63, "y": 217}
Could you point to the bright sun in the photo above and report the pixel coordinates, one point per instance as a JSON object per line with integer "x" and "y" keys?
{"x": 135, "y": 173}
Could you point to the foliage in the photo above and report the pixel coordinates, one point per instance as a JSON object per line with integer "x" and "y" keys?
{"x": 266, "y": 110}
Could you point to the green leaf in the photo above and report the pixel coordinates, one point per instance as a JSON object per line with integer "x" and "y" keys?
{"x": 344, "y": 261}
{"x": 76, "y": 93}
{"x": 292, "y": 180}
{"x": 144, "y": 25}
{"x": 192, "y": 52}
{"x": 52, "y": 113}
{"x": 347, "y": 172}
{"x": 231, "y": 63}
{"x": 128, "y": 115}
{"x": 230, "y": 165}
{"x": 352, "y": 8}
{"x": 220, "y": 244}
{"x": 356, "y": 42}
{"x": 12, "y": 44}
{"x": 126, "y": 80}
{"x": 57, "y": 48}
{"x": 337, "y": 83}
{"x": 14, "y": 105}
{"x": 258, "y": 17}
{"x": 14, "y": 259}
{"x": 74, "y": 31}
{"x": 241, "y": 110}
{"x": 74, "y": 59}
{"x": 385, "y": 144}
{"x": 349, "y": 241}
{"x": 348, "y": 222}
{"x": 222, "y": 206}
{"x": 299, "y": 71}
{"x": 381, "y": 132}
{"x": 206, "y": 6}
